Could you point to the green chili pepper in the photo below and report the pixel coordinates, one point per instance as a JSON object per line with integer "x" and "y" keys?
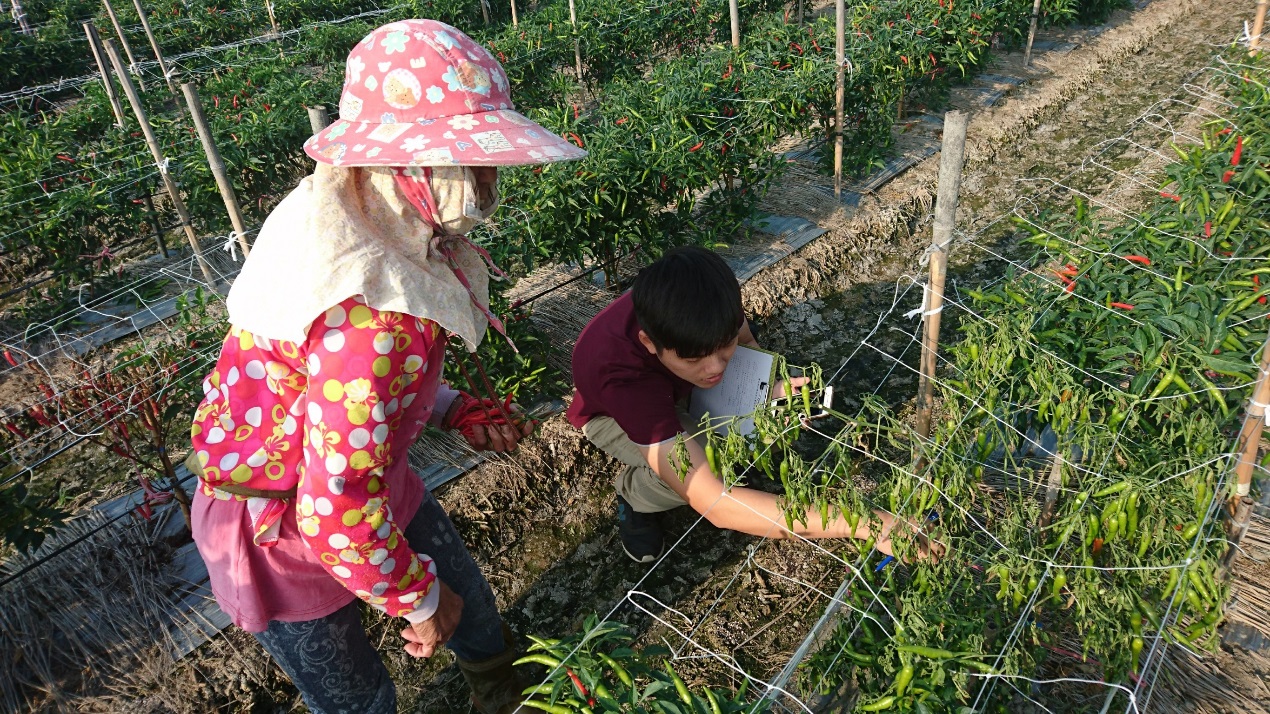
{"x": 1110, "y": 490}
{"x": 927, "y": 652}
{"x": 880, "y": 705}
{"x": 903, "y": 678}
{"x": 680, "y": 687}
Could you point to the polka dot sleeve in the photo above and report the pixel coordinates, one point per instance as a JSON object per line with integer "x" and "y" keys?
{"x": 366, "y": 367}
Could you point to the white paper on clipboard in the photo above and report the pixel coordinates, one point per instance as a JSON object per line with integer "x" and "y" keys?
{"x": 745, "y": 386}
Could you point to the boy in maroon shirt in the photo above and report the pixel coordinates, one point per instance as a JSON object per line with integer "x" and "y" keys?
{"x": 634, "y": 366}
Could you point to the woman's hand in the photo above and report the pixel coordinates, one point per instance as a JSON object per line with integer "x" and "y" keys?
{"x": 499, "y": 437}
{"x": 473, "y": 422}
{"x": 424, "y": 638}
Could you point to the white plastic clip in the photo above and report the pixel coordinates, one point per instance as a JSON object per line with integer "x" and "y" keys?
{"x": 231, "y": 245}
{"x": 163, "y": 165}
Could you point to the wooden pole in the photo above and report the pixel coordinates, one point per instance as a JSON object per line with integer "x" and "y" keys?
{"x": 840, "y": 83}
{"x": 273, "y": 20}
{"x": 515, "y": 22}
{"x": 217, "y": 164}
{"x": 19, "y": 16}
{"x": 734, "y": 14}
{"x": 319, "y": 119}
{"x": 1254, "y": 420}
{"x": 127, "y": 49}
{"x": 951, "y": 159}
{"x": 1031, "y": 33}
{"x": 160, "y": 161}
{"x": 1238, "y": 528}
{"x": 577, "y": 44}
{"x": 94, "y": 43}
{"x": 1258, "y": 26}
{"x": 801, "y": 11}
{"x": 154, "y": 45}
{"x": 485, "y": 11}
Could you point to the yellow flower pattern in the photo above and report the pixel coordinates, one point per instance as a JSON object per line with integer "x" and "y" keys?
{"x": 328, "y": 416}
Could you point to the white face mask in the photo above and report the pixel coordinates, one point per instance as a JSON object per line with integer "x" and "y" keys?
{"x": 462, "y": 201}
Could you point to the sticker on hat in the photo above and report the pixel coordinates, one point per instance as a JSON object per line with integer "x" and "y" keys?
{"x": 425, "y": 94}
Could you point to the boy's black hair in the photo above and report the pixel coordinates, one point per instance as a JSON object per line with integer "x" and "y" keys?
{"x": 688, "y": 301}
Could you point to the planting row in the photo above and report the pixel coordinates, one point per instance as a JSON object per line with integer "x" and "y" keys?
{"x": 1079, "y": 459}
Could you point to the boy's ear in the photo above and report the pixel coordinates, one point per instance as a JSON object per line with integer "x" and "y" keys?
{"x": 647, "y": 342}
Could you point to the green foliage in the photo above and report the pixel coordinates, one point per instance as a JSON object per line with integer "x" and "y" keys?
{"x": 1125, "y": 348}
{"x": 598, "y": 671}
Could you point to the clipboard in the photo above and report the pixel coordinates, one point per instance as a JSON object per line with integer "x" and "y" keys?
{"x": 746, "y": 385}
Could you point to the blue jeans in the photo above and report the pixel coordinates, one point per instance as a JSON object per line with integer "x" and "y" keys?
{"x": 330, "y": 659}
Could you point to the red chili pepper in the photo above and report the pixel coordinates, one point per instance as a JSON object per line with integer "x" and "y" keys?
{"x": 216, "y": 101}
{"x": 1208, "y": 229}
{"x": 621, "y": 121}
{"x": 1122, "y": 305}
{"x": 581, "y": 689}
{"x": 575, "y": 111}
{"x": 1226, "y": 177}
{"x": 797, "y": 46}
{"x": 1137, "y": 259}
{"x": 266, "y": 107}
{"x": 1071, "y": 287}
{"x": 1239, "y": 150}
{"x": 931, "y": 55}
{"x": 904, "y": 58}
{"x": 811, "y": 34}
{"x": 235, "y": 101}
{"x": 1174, "y": 196}
{"x": 1224, "y": 132}
{"x": 1097, "y": 545}
{"x": 8, "y": 357}
{"x": 724, "y": 150}
{"x": 66, "y": 158}
{"x": 576, "y": 139}
{"x": 729, "y": 72}
{"x": 696, "y": 146}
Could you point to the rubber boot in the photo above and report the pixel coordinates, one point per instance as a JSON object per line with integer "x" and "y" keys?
{"x": 496, "y": 685}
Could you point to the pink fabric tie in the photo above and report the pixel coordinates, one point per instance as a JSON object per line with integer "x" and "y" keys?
{"x": 419, "y": 194}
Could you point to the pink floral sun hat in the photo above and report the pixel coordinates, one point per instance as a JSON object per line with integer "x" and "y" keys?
{"x": 421, "y": 93}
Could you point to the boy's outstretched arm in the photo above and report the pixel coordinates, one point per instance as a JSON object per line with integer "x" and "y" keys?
{"x": 745, "y": 509}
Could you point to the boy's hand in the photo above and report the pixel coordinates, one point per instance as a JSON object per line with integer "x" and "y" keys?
{"x": 927, "y": 549}
{"x": 794, "y": 384}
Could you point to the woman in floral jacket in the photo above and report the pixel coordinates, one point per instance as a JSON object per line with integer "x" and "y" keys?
{"x": 333, "y": 365}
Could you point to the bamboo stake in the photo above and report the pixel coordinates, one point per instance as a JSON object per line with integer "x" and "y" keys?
{"x": 319, "y": 118}
{"x": 485, "y": 11}
{"x": 1031, "y": 33}
{"x": 801, "y": 11}
{"x": 515, "y": 22}
{"x": 1250, "y": 435}
{"x": 952, "y": 156}
{"x": 217, "y": 165}
{"x": 577, "y": 44}
{"x": 94, "y": 43}
{"x": 840, "y": 56}
{"x": 1258, "y": 26}
{"x": 273, "y": 20}
{"x": 19, "y": 16}
{"x": 154, "y": 45}
{"x": 160, "y": 161}
{"x": 734, "y": 14}
{"x": 127, "y": 49}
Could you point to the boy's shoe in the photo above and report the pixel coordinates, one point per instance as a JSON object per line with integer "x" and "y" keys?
{"x": 641, "y": 533}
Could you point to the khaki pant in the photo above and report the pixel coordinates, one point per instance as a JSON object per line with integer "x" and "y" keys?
{"x": 636, "y": 482}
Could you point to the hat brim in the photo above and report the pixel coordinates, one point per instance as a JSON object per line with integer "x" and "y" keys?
{"x": 500, "y": 137}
